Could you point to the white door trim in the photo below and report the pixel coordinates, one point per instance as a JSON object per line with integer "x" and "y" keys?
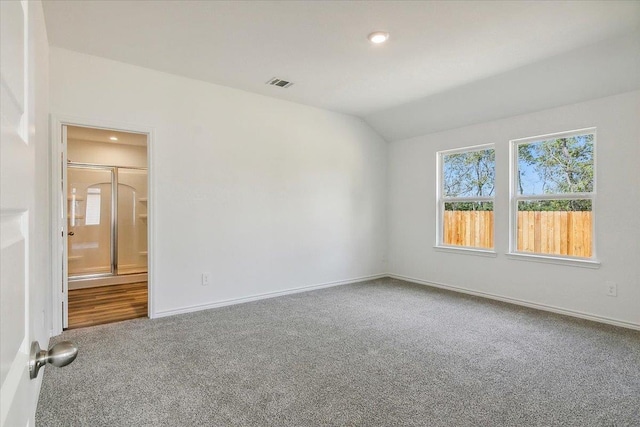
{"x": 58, "y": 196}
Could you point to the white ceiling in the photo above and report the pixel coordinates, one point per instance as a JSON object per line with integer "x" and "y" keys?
{"x": 602, "y": 69}
{"x": 321, "y": 46}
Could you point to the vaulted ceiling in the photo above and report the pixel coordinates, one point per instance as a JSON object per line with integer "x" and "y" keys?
{"x": 322, "y": 46}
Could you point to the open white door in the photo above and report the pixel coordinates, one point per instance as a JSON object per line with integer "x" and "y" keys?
{"x": 17, "y": 199}
{"x": 24, "y": 215}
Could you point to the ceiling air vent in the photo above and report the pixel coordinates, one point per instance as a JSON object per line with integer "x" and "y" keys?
{"x": 279, "y": 82}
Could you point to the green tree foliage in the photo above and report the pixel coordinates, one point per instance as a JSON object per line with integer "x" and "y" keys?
{"x": 563, "y": 165}
{"x": 555, "y": 205}
{"x": 468, "y": 206}
{"x": 469, "y": 174}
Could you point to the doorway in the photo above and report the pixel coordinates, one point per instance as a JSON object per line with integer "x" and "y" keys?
{"x": 106, "y": 244}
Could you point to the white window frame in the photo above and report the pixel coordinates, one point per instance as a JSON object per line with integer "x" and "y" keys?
{"x": 441, "y": 199}
{"x": 514, "y": 197}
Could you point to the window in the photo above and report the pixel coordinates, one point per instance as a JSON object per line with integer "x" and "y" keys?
{"x": 465, "y": 197}
{"x": 92, "y": 216}
{"x": 553, "y": 193}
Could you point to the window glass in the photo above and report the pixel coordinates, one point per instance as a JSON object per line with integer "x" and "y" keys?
{"x": 555, "y": 227}
{"x": 556, "y": 166}
{"x": 92, "y": 216}
{"x": 469, "y": 174}
{"x": 466, "y": 198}
{"x": 553, "y": 195}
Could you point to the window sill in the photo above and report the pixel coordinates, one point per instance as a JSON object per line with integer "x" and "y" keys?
{"x": 575, "y": 262}
{"x": 466, "y": 251}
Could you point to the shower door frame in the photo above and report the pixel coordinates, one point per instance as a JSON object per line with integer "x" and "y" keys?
{"x": 114, "y": 222}
{"x": 58, "y": 191}
{"x": 115, "y": 182}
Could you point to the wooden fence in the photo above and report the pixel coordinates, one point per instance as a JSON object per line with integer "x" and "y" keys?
{"x": 548, "y": 232}
{"x": 468, "y": 228}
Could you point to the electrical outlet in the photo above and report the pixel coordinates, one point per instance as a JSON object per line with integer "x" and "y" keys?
{"x": 206, "y": 279}
{"x": 611, "y": 288}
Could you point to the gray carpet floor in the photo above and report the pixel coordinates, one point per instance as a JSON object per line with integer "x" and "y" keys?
{"x": 378, "y": 353}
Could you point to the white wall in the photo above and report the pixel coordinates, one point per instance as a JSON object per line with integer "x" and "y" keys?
{"x": 104, "y": 153}
{"x": 267, "y": 195}
{"x": 411, "y": 210}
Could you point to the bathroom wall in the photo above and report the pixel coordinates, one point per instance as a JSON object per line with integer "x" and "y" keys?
{"x": 105, "y": 153}
{"x": 89, "y": 248}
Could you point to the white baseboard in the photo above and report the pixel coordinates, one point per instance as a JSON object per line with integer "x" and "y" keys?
{"x": 516, "y": 301}
{"x": 233, "y": 301}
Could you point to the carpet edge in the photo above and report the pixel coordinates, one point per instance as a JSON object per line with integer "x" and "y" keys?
{"x": 516, "y": 301}
{"x": 266, "y": 295}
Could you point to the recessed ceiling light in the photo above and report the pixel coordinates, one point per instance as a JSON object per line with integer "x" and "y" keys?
{"x": 113, "y": 138}
{"x": 378, "y": 37}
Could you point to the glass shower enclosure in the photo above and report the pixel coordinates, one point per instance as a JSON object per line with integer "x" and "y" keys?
{"x": 107, "y": 221}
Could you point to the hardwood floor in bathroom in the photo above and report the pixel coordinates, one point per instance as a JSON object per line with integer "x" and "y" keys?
{"x": 106, "y": 304}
